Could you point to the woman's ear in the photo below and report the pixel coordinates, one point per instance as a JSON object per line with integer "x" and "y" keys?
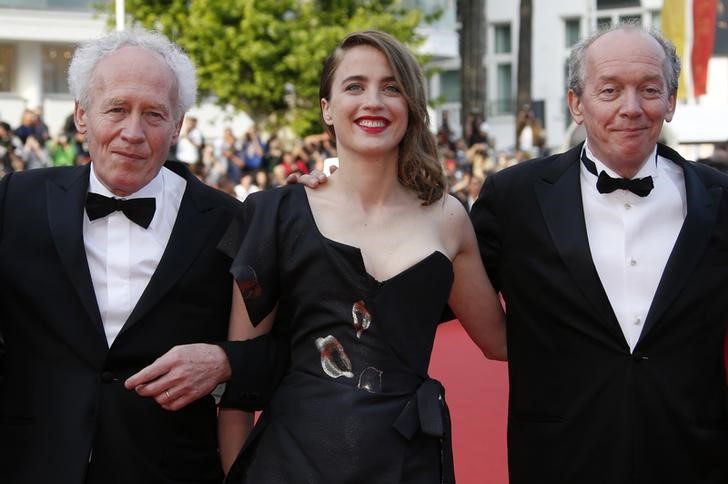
{"x": 326, "y": 111}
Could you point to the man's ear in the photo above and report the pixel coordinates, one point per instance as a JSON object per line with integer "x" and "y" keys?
{"x": 79, "y": 118}
{"x": 575, "y": 107}
{"x": 671, "y": 102}
{"x": 177, "y": 130}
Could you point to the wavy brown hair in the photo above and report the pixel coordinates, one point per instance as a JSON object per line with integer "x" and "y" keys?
{"x": 418, "y": 166}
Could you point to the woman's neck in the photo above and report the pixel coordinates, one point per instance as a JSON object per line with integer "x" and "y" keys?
{"x": 370, "y": 181}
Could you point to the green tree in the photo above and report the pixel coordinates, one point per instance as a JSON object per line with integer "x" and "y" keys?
{"x": 265, "y": 56}
{"x": 472, "y": 44}
{"x": 525, "y": 40}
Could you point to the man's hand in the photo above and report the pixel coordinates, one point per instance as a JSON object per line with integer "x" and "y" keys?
{"x": 182, "y": 375}
{"x": 312, "y": 180}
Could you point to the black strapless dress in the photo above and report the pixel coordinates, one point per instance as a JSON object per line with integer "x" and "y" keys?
{"x": 356, "y": 404}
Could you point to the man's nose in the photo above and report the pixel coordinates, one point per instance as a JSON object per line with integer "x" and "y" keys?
{"x": 133, "y": 129}
{"x": 631, "y": 103}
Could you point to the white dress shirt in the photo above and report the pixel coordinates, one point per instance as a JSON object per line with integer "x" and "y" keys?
{"x": 631, "y": 237}
{"x": 122, "y": 256}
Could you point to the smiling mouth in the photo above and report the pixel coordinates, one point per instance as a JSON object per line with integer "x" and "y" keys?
{"x": 372, "y": 123}
{"x": 132, "y": 156}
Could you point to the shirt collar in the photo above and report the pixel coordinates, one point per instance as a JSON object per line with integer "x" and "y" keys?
{"x": 153, "y": 189}
{"x": 648, "y": 168}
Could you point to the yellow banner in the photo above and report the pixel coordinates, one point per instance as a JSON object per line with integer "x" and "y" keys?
{"x": 674, "y": 28}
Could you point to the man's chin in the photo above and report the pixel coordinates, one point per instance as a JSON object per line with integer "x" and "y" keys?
{"x": 122, "y": 187}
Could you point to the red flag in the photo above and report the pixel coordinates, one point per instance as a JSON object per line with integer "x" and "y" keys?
{"x": 704, "y": 12}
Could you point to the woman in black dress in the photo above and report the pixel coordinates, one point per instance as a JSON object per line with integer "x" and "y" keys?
{"x": 356, "y": 276}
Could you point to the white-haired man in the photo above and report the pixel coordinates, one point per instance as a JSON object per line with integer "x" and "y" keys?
{"x": 104, "y": 268}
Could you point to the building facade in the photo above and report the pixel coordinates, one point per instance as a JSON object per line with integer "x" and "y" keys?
{"x": 556, "y": 27}
{"x": 38, "y": 38}
{"x": 37, "y": 41}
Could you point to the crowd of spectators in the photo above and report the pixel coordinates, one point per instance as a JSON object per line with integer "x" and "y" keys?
{"x": 30, "y": 145}
{"x": 470, "y": 158}
{"x": 241, "y": 165}
{"x": 245, "y": 163}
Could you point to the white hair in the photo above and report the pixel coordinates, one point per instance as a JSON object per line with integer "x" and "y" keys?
{"x": 87, "y": 56}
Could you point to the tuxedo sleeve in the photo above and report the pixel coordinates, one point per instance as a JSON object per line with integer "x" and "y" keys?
{"x": 3, "y": 189}
{"x": 725, "y": 357}
{"x": 2, "y": 364}
{"x": 257, "y": 364}
{"x": 484, "y": 216}
{"x": 251, "y": 240}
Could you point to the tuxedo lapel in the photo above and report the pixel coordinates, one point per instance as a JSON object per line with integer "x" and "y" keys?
{"x": 65, "y": 199}
{"x": 559, "y": 196}
{"x": 197, "y": 215}
{"x": 702, "y": 210}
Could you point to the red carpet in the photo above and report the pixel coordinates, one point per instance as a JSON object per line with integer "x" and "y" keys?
{"x": 477, "y": 394}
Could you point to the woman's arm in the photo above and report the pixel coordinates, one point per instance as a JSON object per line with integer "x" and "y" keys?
{"x": 472, "y": 297}
{"x": 234, "y": 425}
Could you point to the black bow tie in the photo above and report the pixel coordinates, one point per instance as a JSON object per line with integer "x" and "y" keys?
{"x": 606, "y": 184}
{"x": 138, "y": 210}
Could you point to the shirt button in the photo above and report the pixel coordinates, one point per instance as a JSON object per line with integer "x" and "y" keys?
{"x": 639, "y": 356}
{"x": 627, "y": 206}
{"x": 633, "y": 262}
{"x": 637, "y": 321}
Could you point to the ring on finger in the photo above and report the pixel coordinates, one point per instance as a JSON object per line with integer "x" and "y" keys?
{"x": 166, "y": 394}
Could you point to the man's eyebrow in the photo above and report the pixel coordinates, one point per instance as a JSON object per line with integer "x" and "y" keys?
{"x": 160, "y": 107}
{"x": 118, "y": 101}
{"x": 651, "y": 77}
{"x": 114, "y": 101}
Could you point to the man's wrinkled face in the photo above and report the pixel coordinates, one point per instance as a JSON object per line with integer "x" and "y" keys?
{"x": 625, "y": 99}
{"x": 131, "y": 120}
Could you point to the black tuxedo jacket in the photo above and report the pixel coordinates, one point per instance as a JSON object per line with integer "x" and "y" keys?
{"x": 65, "y": 416}
{"x": 582, "y": 408}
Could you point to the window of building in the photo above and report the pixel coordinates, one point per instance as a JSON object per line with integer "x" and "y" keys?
{"x": 721, "y": 29}
{"x": 634, "y": 19}
{"x": 56, "y": 59}
{"x": 572, "y": 31}
{"x": 7, "y": 67}
{"x": 604, "y": 22}
{"x": 503, "y": 39}
{"x": 504, "y": 101}
{"x": 445, "y": 11}
{"x": 617, "y": 3}
{"x": 656, "y": 19}
{"x": 49, "y": 4}
{"x": 450, "y": 86}
{"x": 639, "y": 16}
